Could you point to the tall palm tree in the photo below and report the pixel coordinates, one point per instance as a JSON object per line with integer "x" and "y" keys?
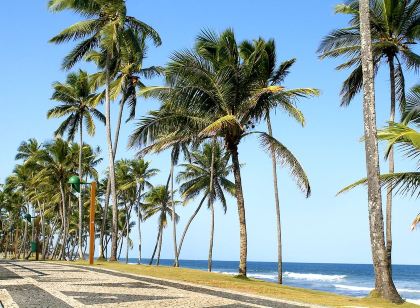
{"x": 127, "y": 82}
{"x": 140, "y": 174}
{"x": 383, "y": 278}
{"x": 213, "y": 92}
{"x": 107, "y": 28}
{"x": 276, "y": 97}
{"x": 393, "y": 26}
{"x": 77, "y": 102}
{"x": 158, "y": 202}
{"x": 206, "y": 175}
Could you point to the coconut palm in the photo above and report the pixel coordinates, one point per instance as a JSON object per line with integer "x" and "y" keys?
{"x": 56, "y": 161}
{"x": 77, "y": 103}
{"x": 19, "y": 182}
{"x": 206, "y": 176}
{"x": 127, "y": 82}
{"x": 158, "y": 202}
{"x": 394, "y": 26}
{"x": 212, "y": 91}
{"x": 384, "y": 285}
{"x": 278, "y": 97}
{"x": 139, "y": 177}
{"x": 108, "y": 26}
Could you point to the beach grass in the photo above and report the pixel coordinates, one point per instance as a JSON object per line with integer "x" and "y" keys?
{"x": 249, "y": 286}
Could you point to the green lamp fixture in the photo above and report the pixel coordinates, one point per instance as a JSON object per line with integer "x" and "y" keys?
{"x": 74, "y": 182}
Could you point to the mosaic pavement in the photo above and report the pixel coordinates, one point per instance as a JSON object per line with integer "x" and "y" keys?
{"x": 39, "y": 284}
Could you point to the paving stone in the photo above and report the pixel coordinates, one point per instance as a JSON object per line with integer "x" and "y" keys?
{"x": 42, "y": 284}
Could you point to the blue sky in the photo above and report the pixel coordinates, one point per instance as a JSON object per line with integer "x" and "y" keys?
{"x": 323, "y": 228}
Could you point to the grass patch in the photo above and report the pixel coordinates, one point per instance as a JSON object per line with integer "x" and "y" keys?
{"x": 247, "y": 285}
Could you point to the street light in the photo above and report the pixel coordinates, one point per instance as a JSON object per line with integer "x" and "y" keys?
{"x": 75, "y": 183}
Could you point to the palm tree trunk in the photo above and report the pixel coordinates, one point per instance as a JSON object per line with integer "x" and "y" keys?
{"x": 243, "y": 247}
{"x": 128, "y": 233}
{"x": 157, "y": 243}
{"x": 210, "y": 258}
{"x": 25, "y": 236}
{"x": 114, "y": 229}
{"x": 277, "y": 205}
{"x": 210, "y": 200}
{"x": 384, "y": 286}
{"x": 80, "y": 193}
{"x": 189, "y": 223}
{"x": 44, "y": 236}
{"x": 108, "y": 186}
{"x": 139, "y": 229}
{"x": 160, "y": 247}
{"x": 127, "y": 245}
{"x": 176, "y": 261}
{"x": 63, "y": 197}
{"x": 388, "y": 218}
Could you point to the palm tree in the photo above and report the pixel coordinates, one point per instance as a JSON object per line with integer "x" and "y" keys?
{"x": 277, "y": 96}
{"x": 213, "y": 92}
{"x": 78, "y": 103}
{"x": 19, "y": 182}
{"x": 383, "y": 278}
{"x": 158, "y": 202}
{"x": 206, "y": 175}
{"x": 126, "y": 84}
{"x": 56, "y": 161}
{"x": 140, "y": 174}
{"x": 108, "y": 27}
{"x": 393, "y": 26}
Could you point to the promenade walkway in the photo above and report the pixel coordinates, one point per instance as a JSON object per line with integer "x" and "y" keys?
{"x": 42, "y": 284}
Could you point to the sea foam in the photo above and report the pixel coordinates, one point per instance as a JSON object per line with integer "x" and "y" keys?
{"x": 316, "y": 277}
{"x": 352, "y": 288}
{"x": 413, "y": 301}
{"x": 356, "y": 288}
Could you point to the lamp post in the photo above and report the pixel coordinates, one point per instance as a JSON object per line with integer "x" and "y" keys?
{"x": 75, "y": 183}
{"x": 35, "y": 235}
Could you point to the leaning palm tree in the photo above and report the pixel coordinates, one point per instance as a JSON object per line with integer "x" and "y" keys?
{"x": 276, "y": 97}
{"x": 158, "y": 202}
{"x": 394, "y": 26}
{"x": 206, "y": 175}
{"x": 77, "y": 103}
{"x": 384, "y": 285}
{"x": 211, "y": 91}
{"x": 107, "y": 28}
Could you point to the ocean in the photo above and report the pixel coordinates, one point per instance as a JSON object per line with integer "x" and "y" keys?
{"x": 346, "y": 279}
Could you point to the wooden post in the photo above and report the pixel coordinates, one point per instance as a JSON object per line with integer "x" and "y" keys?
{"x": 92, "y": 222}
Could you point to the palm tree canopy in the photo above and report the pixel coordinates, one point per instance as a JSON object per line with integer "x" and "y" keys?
{"x": 395, "y": 26}
{"x": 107, "y": 26}
{"x": 77, "y": 102}
{"x": 158, "y": 202}
{"x": 195, "y": 176}
{"x": 219, "y": 89}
